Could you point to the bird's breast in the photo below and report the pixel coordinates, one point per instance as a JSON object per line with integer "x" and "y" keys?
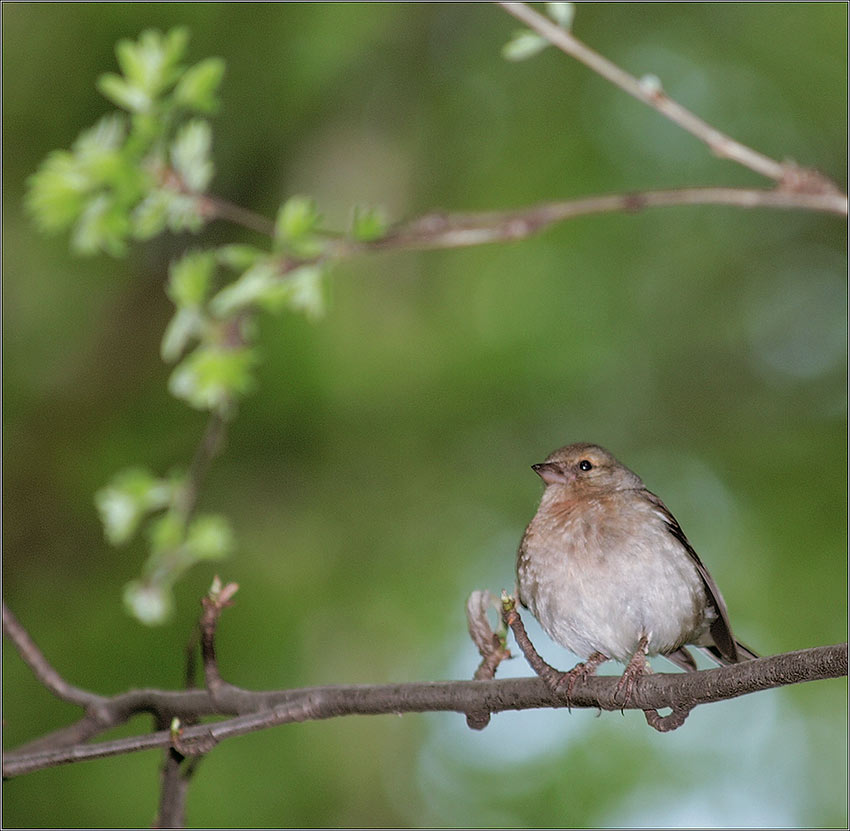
{"x": 599, "y": 572}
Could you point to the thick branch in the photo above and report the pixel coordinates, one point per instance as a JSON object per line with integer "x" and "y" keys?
{"x": 723, "y": 146}
{"x": 268, "y": 709}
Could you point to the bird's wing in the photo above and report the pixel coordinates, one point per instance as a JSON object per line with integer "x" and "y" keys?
{"x": 721, "y": 630}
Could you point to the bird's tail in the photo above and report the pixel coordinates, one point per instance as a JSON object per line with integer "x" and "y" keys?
{"x": 684, "y": 660}
{"x": 744, "y": 653}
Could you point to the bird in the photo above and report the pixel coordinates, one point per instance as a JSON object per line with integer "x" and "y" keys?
{"x": 609, "y": 574}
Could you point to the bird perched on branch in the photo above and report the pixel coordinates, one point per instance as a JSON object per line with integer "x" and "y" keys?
{"x": 609, "y": 574}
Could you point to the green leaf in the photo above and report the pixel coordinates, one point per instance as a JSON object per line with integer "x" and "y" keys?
{"x": 524, "y": 44}
{"x": 166, "y": 533}
{"x": 174, "y": 45}
{"x": 305, "y": 288}
{"x": 561, "y": 13}
{"x": 211, "y": 377}
{"x": 131, "y": 495}
{"x": 368, "y": 223}
{"x": 150, "y": 603}
{"x": 210, "y": 538}
{"x": 103, "y": 226}
{"x": 184, "y": 212}
{"x": 58, "y": 191}
{"x": 126, "y": 95}
{"x": 197, "y": 88}
{"x": 257, "y": 282}
{"x": 147, "y": 129}
{"x": 103, "y": 139}
{"x": 300, "y": 290}
{"x": 186, "y": 325}
{"x": 151, "y": 63}
{"x": 189, "y": 278}
{"x": 98, "y": 152}
{"x": 150, "y": 216}
{"x": 93, "y": 186}
{"x": 190, "y": 155}
{"x": 296, "y": 220}
{"x": 239, "y": 257}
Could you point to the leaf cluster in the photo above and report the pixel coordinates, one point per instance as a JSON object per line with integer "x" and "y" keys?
{"x": 136, "y": 172}
{"x": 145, "y": 170}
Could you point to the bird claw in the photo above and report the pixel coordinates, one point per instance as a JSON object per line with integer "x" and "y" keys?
{"x": 565, "y": 681}
{"x": 635, "y": 668}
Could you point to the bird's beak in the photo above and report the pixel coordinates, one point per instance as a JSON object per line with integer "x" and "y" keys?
{"x": 550, "y": 473}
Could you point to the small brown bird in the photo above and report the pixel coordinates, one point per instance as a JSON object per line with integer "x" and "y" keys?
{"x": 608, "y": 572}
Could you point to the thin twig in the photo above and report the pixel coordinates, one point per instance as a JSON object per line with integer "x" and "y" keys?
{"x": 176, "y": 771}
{"x": 550, "y": 676}
{"x": 214, "y": 207}
{"x": 41, "y": 667}
{"x": 219, "y": 598}
{"x": 720, "y": 144}
{"x": 463, "y": 230}
{"x": 208, "y": 448}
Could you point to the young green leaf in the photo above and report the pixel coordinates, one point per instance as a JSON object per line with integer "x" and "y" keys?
{"x": 305, "y": 291}
{"x": 300, "y": 290}
{"x": 197, "y": 88}
{"x": 249, "y": 289}
{"x": 211, "y": 377}
{"x": 166, "y": 533}
{"x": 189, "y": 278}
{"x": 368, "y": 224}
{"x": 296, "y": 220}
{"x": 58, "y": 191}
{"x": 103, "y": 226}
{"x": 149, "y": 602}
{"x": 239, "y": 257}
{"x": 101, "y": 141}
{"x": 126, "y": 95}
{"x": 210, "y": 538}
{"x": 524, "y": 44}
{"x": 130, "y": 495}
{"x": 561, "y": 13}
{"x": 151, "y": 63}
{"x": 186, "y": 325}
{"x": 184, "y": 212}
{"x": 150, "y": 216}
{"x": 190, "y": 155}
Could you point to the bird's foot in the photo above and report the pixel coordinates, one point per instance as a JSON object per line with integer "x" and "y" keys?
{"x": 564, "y": 682}
{"x": 635, "y": 668}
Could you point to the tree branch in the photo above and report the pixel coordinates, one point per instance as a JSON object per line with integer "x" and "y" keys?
{"x": 260, "y": 710}
{"x": 214, "y": 207}
{"x": 464, "y": 230}
{"x": 208, "y": 448}
{"x": 651, "y": 692}
{"x": 788, "y": 174}
{"x": 41, "y": 667}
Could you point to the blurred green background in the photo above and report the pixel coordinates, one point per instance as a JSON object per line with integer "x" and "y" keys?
{"x": 380, "y": 472}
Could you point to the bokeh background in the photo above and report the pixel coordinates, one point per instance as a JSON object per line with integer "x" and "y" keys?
{"x": 380, "y": 472}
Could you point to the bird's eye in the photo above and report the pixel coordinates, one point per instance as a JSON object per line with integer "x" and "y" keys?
{"x": 584, "y": 465}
